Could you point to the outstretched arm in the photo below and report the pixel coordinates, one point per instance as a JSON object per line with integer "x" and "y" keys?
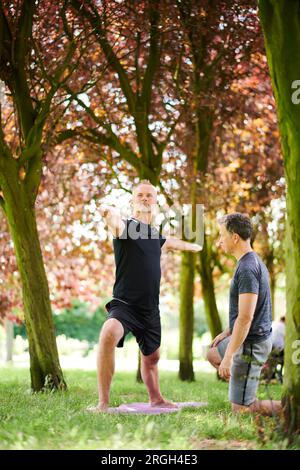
{"x": 113, "y": 219}
{"x": 181, "y": 245}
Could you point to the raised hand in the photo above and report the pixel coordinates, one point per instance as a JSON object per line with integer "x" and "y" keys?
{"x": 104, "y": 210}
{"x": 194, "y": 247}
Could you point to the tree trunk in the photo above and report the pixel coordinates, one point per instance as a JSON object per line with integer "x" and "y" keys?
{"x": 281, "y": 26}
{"x": 268, "y": 257}
{"x": 208, "y": 292}
{"x": 44, "y": 363}
{"x": 186, "y": 327}
{"x": 272, "y": 289}
{"x": 269, "y": 261}
{"x": 291, "y": 392}
{"x": 139, "y": 378}
{"x": 187, "y": 279}
{"x": 9, "y": 340}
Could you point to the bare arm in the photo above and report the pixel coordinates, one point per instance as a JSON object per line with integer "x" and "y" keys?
{"x": 113, "y": 219}
{"x": 247, "y": 305}
{"x": 220, "y": 337}
{"x": 181, "y": 245}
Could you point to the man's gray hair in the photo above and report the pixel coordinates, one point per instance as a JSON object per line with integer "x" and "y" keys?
{"x": 143, "y": 182}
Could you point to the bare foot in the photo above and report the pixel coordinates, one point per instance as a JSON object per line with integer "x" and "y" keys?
{"x": 163, "y": 403}
{"x": 97, "y": 409}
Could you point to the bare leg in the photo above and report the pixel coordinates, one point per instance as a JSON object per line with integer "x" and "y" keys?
{"x": 264, "y": 407}
{"x": 213, "y": 356}
{"x": 110, "y": 335}
{"x": 149, "y": 371}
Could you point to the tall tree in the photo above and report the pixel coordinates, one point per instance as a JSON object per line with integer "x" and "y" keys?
{"x": 158, "y": 79}
{"x": 135, "y": 117}
{"x": 253, "y": 178}
{"x": 217, "y": 47}
{"x": 280, "y": 21}
{"x": 132, "y": 58}
{"x": 26, "y": 106}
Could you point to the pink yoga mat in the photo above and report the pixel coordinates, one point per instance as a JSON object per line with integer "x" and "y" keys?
{"x": 145, "y": 408}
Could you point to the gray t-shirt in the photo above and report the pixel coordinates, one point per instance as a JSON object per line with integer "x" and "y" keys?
{"x": 251, "y": 276}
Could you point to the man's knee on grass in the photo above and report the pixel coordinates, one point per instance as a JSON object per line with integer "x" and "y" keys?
{"x": 213, "y": 356}
{"x": 236, "y": 408}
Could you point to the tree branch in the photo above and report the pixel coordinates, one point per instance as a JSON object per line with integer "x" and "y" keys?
{"x": 136, "y": 60}
{"x": 20, "y": 50}
{"x": 35, "y": 134}
{"x": 4, "y": 149}
{"x": 164, "y": 144}
{"x": 169, "y": 200}
{"x": 95, "y": 137}
{"x": 5, "y": 37}
{"x": 154, "y": 55}
{"x": 96, "y": 23}
{"x": 114, "y": 141}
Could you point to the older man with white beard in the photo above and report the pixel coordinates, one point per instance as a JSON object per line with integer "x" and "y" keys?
{"x": 135, "y": 304}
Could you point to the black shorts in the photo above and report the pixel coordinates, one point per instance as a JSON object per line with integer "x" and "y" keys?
{"x": 143, "y": 324}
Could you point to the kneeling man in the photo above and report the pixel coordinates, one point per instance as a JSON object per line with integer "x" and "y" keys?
{"x": 240, "y": 351}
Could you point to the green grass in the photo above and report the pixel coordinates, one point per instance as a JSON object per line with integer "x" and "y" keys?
{"x": 59, "y": 421}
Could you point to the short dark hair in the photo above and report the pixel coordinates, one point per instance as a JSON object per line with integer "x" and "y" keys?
{"x": 238, "y": 223}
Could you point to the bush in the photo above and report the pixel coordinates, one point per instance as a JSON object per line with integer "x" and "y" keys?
{"x": 76, "y": 322}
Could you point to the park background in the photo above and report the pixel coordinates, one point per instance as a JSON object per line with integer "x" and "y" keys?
{"x": 94, "y": 97}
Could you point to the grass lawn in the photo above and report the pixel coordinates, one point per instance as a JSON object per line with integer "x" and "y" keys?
{"x": 59, "y": 420}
